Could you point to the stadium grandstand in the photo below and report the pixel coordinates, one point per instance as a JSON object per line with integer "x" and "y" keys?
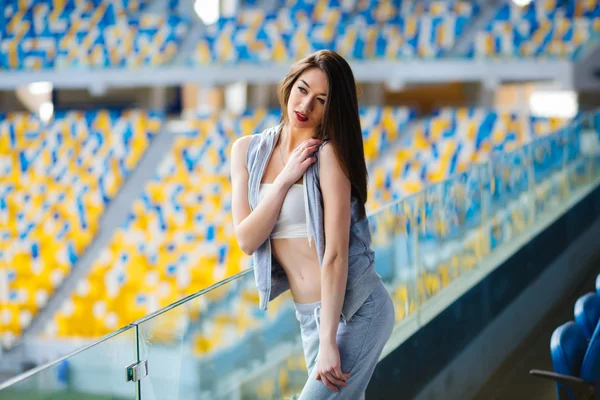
{"x": 120, "y": 275}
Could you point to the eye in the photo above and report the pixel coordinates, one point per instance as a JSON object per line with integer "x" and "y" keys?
{"x": 302, "y": 90}
{"x": 322, "y": 101}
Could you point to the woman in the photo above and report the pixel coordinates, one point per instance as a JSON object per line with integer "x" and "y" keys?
{"x": 307, "y": 178}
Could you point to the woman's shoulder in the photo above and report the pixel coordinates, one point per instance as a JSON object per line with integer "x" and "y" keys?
{"x": 243, "y": 147}
{"x": 240, "y": 146}
{"x": 326, "y": 153}
{"x": 324, "y": 146}
{"x": 244, "y": 141}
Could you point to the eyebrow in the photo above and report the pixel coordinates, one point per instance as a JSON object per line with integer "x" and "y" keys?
{"x": 322, "y": 94}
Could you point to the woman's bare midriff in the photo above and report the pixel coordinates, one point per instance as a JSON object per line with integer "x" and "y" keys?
{"x": 301, "y": 265}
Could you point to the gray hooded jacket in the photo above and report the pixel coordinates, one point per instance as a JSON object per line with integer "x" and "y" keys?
{"x": 271, "y": 279}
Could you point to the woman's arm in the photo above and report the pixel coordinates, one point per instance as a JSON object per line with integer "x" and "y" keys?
{"x": 252, "y": 228}
{"x": 336, "y": 190}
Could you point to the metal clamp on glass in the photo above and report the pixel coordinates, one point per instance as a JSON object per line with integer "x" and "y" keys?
{"x": 137, "y": 371}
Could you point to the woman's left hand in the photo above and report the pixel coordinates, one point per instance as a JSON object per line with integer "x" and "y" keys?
{"x": 329, "y": 368}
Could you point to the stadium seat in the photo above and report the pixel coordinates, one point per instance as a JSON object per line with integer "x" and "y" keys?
{"x": 598, "y": 285}
{"x": 53, "y": 34}
{"x": 548, "y": 29}
{"x": 448, "y": 142}
{"x": 370, "y": 30}
{"x": 58, "y": 180}
{"x": 587, "y": 313}
{"x": 576, "y": 363}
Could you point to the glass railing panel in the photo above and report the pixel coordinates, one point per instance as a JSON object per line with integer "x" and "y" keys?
{"x": 511, "y": 183}
{"x": 284, "y": 379}
{"x": 577, "y": 164}
{"x": 498, "y": 198}
{"x": 475, "y": 245}
{"x": 96, "y": 372}
{"x": 591, "y": 141}
{"x": 516, "y": 187}
{"x": 382, "y": 224}
{"x": 591, "y": 127}
{"x": 404, "y": 291}
{"x": 219, "y": 345}
{"x": 393, "y": 241}
{"x": 487, "y": 185}
{"x": 461, "y": 225}
{"x": 549, "y": 156}
{"x": 429, "y": 206}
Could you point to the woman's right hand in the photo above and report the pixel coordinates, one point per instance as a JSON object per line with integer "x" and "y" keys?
{"x": 298, "y": 162}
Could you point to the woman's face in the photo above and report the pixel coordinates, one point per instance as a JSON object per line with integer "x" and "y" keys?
{"x": 306, "y": 105}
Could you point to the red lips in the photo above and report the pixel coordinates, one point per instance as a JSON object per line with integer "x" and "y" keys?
{"x": 301, "y": 117}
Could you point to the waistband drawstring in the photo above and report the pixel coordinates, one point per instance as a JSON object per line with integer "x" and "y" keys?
{"x": 317, "y": 315}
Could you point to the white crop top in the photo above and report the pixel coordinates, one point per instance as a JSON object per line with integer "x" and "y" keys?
{"x": 291, "y": 222}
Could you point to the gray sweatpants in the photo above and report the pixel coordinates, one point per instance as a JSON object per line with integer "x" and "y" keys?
{"x": 360, "y": 343}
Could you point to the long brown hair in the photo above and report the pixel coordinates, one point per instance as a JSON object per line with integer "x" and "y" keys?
{"x": 341, "y": 121}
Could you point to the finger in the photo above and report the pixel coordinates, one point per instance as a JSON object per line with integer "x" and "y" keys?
{"x": 329, "y": 385}
{"x": 303, "y": 144}
{"x": 304, "y": 157}
{"x": 335, "y": 380}
{"x": 308, "y": 150}
{"x": 308, "y": 161}
{"x": 339, "y": 374}
{"x": 308, "y": 143}
{"x": 318, "y": 377}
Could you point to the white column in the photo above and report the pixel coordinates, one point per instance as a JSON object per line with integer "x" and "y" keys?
{"x": 229, "y": 7}
{"x": 236, "y": 96}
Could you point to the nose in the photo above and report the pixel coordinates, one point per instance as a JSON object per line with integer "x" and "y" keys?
{"x": 307, "y": 106}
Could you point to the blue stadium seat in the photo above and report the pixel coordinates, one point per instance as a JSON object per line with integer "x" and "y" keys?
{"x": 590, "y": 370}
{"x": 548, "y": 29}
{"x": 52, "y": 34}
{"x": 373, "y": 29}
{"x": 587, "y": 313}
{"x": 575, "y": 362}
{"x": 598, "y": 284}
{"x": 567, "y": 347}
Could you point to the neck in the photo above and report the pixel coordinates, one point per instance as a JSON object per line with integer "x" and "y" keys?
{"x": 292, "y": 137}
